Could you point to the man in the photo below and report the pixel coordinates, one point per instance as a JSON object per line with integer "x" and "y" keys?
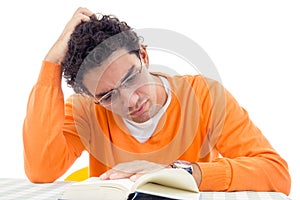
{"x": 131, "y": 120}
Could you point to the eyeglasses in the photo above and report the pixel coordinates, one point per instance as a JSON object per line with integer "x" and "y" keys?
{"x": 113, "y": 95}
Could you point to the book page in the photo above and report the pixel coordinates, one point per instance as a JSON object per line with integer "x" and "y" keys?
{"x": 175, "y": 178}
{"x": 94, "y": 188}
{"x": 168, "y": 182}
{"x": 125, "y": 183}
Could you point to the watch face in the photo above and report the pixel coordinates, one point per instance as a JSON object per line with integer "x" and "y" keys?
{"x": 183, "y": 165}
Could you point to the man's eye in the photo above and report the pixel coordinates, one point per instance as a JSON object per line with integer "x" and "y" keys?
{"x": 107, "y": 97}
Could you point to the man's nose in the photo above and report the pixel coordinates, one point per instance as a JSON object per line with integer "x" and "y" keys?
{"x": 129, "y": 97}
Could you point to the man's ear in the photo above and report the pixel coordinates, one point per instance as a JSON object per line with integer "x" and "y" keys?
{"x": 144, "y": 54}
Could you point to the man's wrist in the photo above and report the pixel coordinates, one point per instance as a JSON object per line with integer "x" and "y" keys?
{"x": 197, "y": 173}
{"x": 57, "y": 52}
{"x": 192, "y": 167}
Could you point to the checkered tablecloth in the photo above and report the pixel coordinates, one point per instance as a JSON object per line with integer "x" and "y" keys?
{"x": 14, "y": 189}
{"x": 22, "y": 189}
{"x": 243, "y": 196}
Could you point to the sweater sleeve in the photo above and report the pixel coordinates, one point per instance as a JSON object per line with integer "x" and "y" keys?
{"x": 51, "y": 143}
{"x": 247, "y": 161}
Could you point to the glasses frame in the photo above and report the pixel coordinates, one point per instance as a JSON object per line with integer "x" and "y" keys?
{"x": 113, "y": 92}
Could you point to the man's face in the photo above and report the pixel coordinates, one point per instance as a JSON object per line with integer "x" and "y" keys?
{"x": 123, "y": 85}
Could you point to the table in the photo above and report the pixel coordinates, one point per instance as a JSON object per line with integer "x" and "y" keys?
{"x": 23, "y": 189}
{"x": 12, "y": 189}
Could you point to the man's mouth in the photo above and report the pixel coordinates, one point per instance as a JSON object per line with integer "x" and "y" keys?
{"x": 139, "y": 110}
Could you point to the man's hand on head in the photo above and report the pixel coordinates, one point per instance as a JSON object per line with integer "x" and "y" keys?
{"x": 59, "y": 49}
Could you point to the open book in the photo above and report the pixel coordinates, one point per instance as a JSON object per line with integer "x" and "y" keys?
{"x": 169, "y": 182}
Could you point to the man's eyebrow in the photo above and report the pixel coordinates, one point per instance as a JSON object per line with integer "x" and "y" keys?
{"x": 101, "y": 94}
{"x": 129, "y": 72}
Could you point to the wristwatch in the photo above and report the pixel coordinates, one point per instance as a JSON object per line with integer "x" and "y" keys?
{"x": 183, "y": 164}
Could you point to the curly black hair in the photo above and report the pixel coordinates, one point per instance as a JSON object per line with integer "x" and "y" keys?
{"x": 91, "y": 43}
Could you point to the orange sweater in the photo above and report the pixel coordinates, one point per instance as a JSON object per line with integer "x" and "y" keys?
{"x": 203, "y": 124}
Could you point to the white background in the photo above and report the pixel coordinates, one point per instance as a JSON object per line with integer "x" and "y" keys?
{"x": 255, "y": 46}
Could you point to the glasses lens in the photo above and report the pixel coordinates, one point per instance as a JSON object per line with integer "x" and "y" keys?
{"x": 112, "y": 96}
{"x": 131, "y": 80}
{"x": 109, "y": 98}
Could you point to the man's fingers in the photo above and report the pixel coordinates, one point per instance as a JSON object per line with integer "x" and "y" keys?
{"x": 132, "y": 170}
{"x": 135, "y": 176}
{"x": 119, "y": 175}
{"x": 113, "y": 174}
{"x": 84, "y": 12}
